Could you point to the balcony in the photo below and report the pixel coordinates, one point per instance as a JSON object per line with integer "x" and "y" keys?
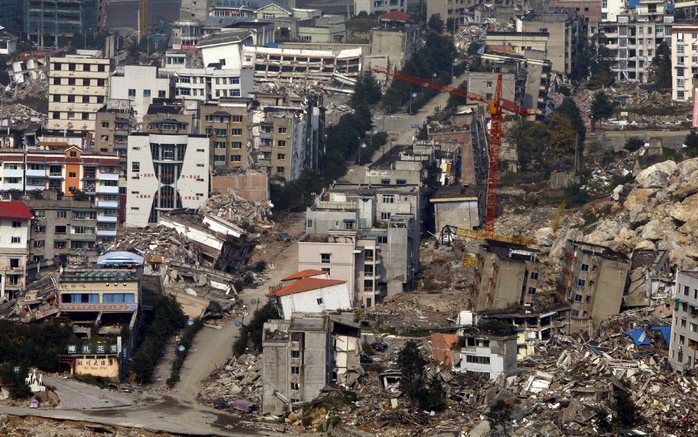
{"x": 102, "y": 218}
{"x": 56, "y": 175}
{"x": 10, "y": 186}
{"x": 107, "y": 204}
{"x": 36, "y": 173}
{"x": 108, "y": 176}
{"x": 107, "y": 189}
{"x": 106, "y": 233}
{"x": 13, "y": 173}
{"x": 35, "y": 187}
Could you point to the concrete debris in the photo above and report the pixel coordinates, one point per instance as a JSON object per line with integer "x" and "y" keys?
{"x": 240, "y": 378}
{"x": 238, "y": 210}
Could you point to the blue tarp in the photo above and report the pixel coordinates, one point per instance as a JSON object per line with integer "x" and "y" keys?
{"x": 639, "y": 336}
{"x": 632, "y": 4}
{"x": 666, "y": 332}
{"x": 120, "y": 259}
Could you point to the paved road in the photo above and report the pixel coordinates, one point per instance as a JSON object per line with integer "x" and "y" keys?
{"x": 75, "y": 395}
{"x": 399, "y": 128}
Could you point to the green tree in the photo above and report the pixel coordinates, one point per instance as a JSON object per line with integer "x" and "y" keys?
{"x": 601, "y": 107}
{"x": 570, "y": 110}
{"x": 691, "y": 143}
{"x": 411, "y": 364}
{"x": 435, "y": 23}
{"x": 530, "y": 139}
{"x": 251, "y": 334}
{"x": 660, "y": 69}
{"x": 600, "y": 59}
{"x": 367, "y": 92}
{"x": 455, "y": 100}
{"x": 563, "y": 139}
{"x": 433, "y": 398}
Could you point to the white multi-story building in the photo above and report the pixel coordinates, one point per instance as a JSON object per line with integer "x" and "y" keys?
{"x": 78, "y": 87}
{"x": 139, "y": 84}
{"x": 683, "y": 346}
{"x": 610, "y": 9}
{"x": 15, "y": 220}
{"x": 165, "y": 172}
{"x": 684, "y": 60}
{"x": 210, "y": 84}
{"x": 633, "y": 38}
{"x": 488, "y": 355}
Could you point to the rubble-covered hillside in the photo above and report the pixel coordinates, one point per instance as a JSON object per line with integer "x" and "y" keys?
{"x": 659, "y": 210}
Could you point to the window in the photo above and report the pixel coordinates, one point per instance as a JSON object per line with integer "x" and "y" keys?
{"x": 295, "y": 386}
{"x": 135, "y": 167}
{"x": 40, "y": 213}
{"x": 73, "y": 154}
{"x": 131, "y": 92}
{"x": 282, "y": 130}
{"x": 281, "y": 143}
{"x": 236, "y": 145}
{"x": 236, "y": 132}
{"x": 295, "y": 370}
{"x": 477, "y": 360}
{"x": 16, "y": 224}
{"x": 236, "y": 158}
{"x": 61, "y": 214}
{"x": 280, "y": 156}
{"x": 295, "y": 354}
{"x": 401, "y": 181}
{"x": 531, "y": 290}
{"x": 280, "y": 169}
{"x": 385, "y": 216}
{"x": 325, "y": 257}
{"x": 39, "y": 243}
{"x": 534, "y": 275}
{"x": 578, "y": 297}
{"x": 146, "y": 93}
{"x": 118, "y": 298}
{"x": 382, "y": 239}
{"x": 85, "y": 115}
{"x": 581, "y": 282}
{"x": 80, "y": 298}
{"x": 162, "y": 94}
{"x": 686, "y": 290}
{"x": 388, "y": 198}
{"x": 585, "y": 267}
{"x": 16, "y": 240}
{"x": 326, "y": 270}
{"x": 72, "y": 174}
{"x": 349, "y": 224}
{"x": 319, "y": 301}
{"x": 60, "y": 229}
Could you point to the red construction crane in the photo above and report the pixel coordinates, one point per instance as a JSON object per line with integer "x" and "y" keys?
{"x": 495, "y": 106}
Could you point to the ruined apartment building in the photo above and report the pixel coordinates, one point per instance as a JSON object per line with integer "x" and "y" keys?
{"x": 298, "y": 361}
{"x": 170, "y": 116}
{"x": 507, "y": 275}
{"x": 486, "y": 354}
{"x": 54, "y": 23}
{"x": 69, "y": 170}
{"x": 165, "y": 172}
{"x": 228, "y": 125}
{"x": 114, "y": 123}
{"x": 393, "y": 41}
{"x": 683, "y": 346}
{"x": 593, "y": 279}
{"x": 78, "y": 88}
{"x": 15, "y": 221}
{"x": 64, "y": 226}
{"x": 400, "y": 166}
{"x": 139, "y": 85}
{"x": 565, "y": 31}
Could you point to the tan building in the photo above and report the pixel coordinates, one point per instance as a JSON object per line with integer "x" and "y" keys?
{"x": 593, "y": 279}
{"x": 228, "y": 124}
{"x": 565, "y": 30}
{"x": 517, "y": 42}
{"x": 507, "y": 275}
{"x": 78, "y": 88}
{"x": 114, "y": 123}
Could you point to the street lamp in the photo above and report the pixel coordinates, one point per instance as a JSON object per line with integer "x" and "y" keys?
{"x": 412, "y": 97}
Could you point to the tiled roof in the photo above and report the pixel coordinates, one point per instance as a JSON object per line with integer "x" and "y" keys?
{"x": 396, "y": 15}
{"x": 303, "y": 274}
{"x": 302, "y": 285}
{"x": 15, "y": 210}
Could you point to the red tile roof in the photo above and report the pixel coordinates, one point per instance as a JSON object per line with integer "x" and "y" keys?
{"x": 303, "y": 274}
{"x": 302, "y": 285}
{"x": 15, "y": 210}
{"x": 396, "y": 15}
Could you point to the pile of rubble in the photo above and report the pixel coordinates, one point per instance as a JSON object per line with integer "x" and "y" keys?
{"x": 658, "y": 211}
{"x": 157, "y": 241}
{"x": 240, "y": 378}
{"x": 238, "y": 210}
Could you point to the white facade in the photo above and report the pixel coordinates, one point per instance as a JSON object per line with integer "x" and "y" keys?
{"x": 14, "y": 248}
{"x": 208, "y": 84}
{"x": 226, "y": 51}
{"x": 139, "y": 84}
{"x": 489, "y": 356}
{"x": 611, "y": 8}
{"x": 683, "y": 346}
{"x": 183, "y": 163}
{"x": 684, "y": 61}
{"x": 334, "y": 297}
{"x": 379, "y": 6}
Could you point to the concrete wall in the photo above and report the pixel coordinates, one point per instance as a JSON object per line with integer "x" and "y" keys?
{"x": 252, "y": 185}
{"x": 342, "y": 263}
{"x": 485, "y": 84}
{"x": 684, "y": 327}
{"x": 332, "y": 298}
{"x": 139, "y": 84}
{"x": 461, "y": 213}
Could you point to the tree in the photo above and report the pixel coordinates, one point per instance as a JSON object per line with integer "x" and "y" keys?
{"x": 455, "y": 100}
{"x": 411, "y": 363}
{"x": 600, "y": 59}
{"x": 563, "y": 140}
{"x": 251, "y": 334}
{"x": 660, "y": 69}
{"x": 433, "y": 398}
{"x": 474, "y": 48}
{"x": 366, "y": 91}
{"x": 435, "y": 23}
{"x": 601, "y": 107}
{"x": 530, "y": 139}
{"x": 691, "y": 143}
{"x": 570, "y": 110}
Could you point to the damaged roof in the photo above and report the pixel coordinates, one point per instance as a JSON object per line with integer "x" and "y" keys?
{"x": 303, "y": 285}
{"x": 303, "y": 274}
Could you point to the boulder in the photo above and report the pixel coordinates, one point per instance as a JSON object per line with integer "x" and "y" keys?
{"x": 638, "y": 197}
{"x": 657, "y": 175}
{"x": 615, "y": 195}
{"x": 655, "y": 230}
{"x": 687, "y": 210}
{"x": 545, "y": 236}
{"x": 607, "y": 230}
{"x": 646, "y": 244}
{"x": 690, "y": 228}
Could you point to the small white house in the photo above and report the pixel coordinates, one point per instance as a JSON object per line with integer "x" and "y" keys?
{"x": 310, "y": 295}
{"x": 488, "y": 355}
